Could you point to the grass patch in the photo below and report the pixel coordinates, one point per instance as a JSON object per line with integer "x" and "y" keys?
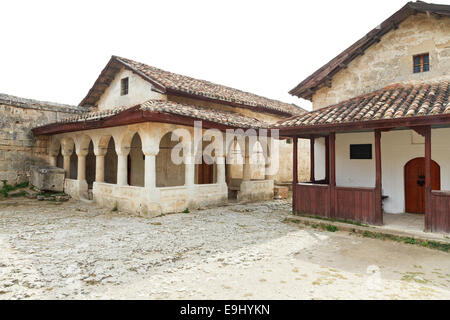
{"x": 331, "y": 228}
{"x": 408, "y": 240}
{"x": 186, "y": 210}
{"x": 115, "y": 208}
{"x": 356, "y": 223}
{"x": 7, "y": 188}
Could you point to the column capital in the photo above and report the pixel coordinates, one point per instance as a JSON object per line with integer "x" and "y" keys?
{"x": 122, "y": 151}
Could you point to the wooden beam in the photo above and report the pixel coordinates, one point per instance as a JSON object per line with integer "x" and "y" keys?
{"x": 428, "y": 213}
{"x": 378, "y": 187}
{"x": 332, "y": 174}
{"x": 311, "y": 158}
{"x": 294, "y": 174}
{"x": 422, "y": 130}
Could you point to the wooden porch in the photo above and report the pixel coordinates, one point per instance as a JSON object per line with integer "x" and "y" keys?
{"x": 325, "y": 199}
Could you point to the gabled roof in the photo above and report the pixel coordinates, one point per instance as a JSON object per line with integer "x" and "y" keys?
{"x": 172, "y": 83}
{"x": 152, "y": 111}
{"x": 418, "y": 100}
{"x": 323, "y": 75}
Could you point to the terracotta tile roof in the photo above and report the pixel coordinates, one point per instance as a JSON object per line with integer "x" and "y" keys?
{"x": 203, "y": 113}
{"x": 393, "y": 102}
{"x": 226, "y": 118}
{"x": 169, "y": 82}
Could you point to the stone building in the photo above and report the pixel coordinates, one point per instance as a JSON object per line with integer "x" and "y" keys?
{"x": 380, "y": 124}
{"x": 119, "y": 150}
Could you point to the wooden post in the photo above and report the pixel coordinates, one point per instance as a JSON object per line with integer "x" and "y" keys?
{"x": 378, "y": 197}
{"x": 327, "y": 159}
{"x": 428, "y": 213}
{"x": 311, "y": 165}
{"x": 294, "y": 174}
{"x": 332, "y": 185}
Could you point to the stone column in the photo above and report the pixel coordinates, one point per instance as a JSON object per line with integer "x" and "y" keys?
{"x": 220, "y": 164}
{"x": 100, "y": 164}
{"x": 99, "y": 168}
{"x": 66, "y": 157}
{"x": 247, "y": 170}
{"x": 268, "y": 169}
{"x": 150, "y": 170}
{"x": 81, "y": 167}
{"x": 189, "y": 173}
{"x": 122, "y": 168}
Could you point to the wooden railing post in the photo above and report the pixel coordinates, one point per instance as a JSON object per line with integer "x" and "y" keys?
{"x": 378, "y": 185}
{"x": 311, "y": 158}
{"x": 428, "y": 213}
{"x": 332, "y": 186}
{"x": 327, "y": 159}
{"x": 294, "y": 174}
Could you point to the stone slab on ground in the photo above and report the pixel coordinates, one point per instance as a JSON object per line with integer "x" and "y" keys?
{"x": 47, "y": 178}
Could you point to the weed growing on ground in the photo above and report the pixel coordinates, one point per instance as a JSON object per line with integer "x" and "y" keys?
{"x": 7, "y": 188}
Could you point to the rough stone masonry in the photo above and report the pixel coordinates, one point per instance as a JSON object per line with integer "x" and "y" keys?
{"x": 19, "y": 149}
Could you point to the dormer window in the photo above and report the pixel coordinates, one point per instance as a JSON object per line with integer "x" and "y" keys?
{"x": 421, "y": 63}
{"x": 124, "y": 86}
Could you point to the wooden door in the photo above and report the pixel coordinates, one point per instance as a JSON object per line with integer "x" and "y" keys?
{"x": 205, "y": 173}
{"x": 415, "y": 184}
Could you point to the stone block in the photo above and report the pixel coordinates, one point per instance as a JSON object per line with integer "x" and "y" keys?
{"x": 47, "y": 178}
{"x": 280, "y": 192}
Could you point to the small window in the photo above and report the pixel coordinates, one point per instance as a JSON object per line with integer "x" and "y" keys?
{"x": 288, "y": 141}
{"x": 360, "y": 151}
{"x": 421, "y": 63}
{"x": 124, "y": 86}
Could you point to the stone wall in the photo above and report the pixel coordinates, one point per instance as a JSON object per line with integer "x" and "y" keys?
{"x": 18, "y": 147}
{"x": 391, "y": 60}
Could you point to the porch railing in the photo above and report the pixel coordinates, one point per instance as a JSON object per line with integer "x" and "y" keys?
{"x": 440, "y": 211}
{"x": 357, "y": 204}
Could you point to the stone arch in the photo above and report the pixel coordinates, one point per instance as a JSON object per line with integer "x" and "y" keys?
{"x": 55, "y": 153}
{"x": 110, "y": 167}
{"x": 168, "y": 173}
{"x": 90, "y": 165}
{"x": 258, "y": 161}
{"x": 136, "y": 162}
{"x": 68, "y": 150}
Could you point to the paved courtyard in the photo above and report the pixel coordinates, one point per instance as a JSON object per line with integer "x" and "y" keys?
{"x": 79, "y": 251}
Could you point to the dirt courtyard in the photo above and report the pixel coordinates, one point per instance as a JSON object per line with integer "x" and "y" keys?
{"x": 79, "y": 251}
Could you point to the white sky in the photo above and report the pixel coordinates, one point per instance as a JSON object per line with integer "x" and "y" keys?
{"x": 54, "y": 50}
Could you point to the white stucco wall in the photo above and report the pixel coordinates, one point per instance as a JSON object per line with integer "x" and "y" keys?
{"x": 397, "y": 148}
{"x": 139, "y": 91}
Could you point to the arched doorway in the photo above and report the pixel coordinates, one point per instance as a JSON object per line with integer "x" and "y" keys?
{"x": 168, "y": 173}
{"x": 258, "y": 162}
{"x": 136, "y": 163}
{"x": 415, "y": 184}
{"x": 111, "y": 162}
{"x": 90, "y": 165}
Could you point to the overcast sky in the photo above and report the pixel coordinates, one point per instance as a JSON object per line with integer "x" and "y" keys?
{"x": 54, "y": 50}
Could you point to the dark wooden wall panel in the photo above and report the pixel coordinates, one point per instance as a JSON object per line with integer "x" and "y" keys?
{"x": 356, "y": 204}
{"x": 440, "y": 212}
{"x": 313, "y": 200}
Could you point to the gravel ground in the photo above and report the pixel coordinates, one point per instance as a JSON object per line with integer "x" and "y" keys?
{"x": 79, "y": 251}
